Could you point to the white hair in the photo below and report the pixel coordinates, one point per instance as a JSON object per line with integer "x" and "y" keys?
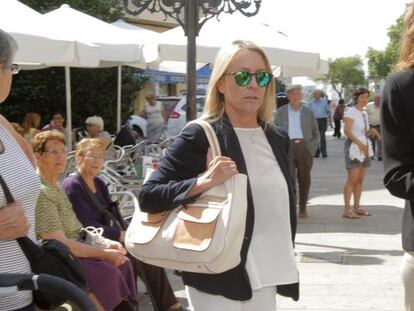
{"x": 97, "y": 120}
{"x": 8, "y": 48}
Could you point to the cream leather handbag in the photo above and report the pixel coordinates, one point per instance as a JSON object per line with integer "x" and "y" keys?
{"x": 203, "y": 237}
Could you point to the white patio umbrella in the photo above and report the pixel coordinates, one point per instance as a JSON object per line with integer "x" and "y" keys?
{"x": 116, "y": 46}
{"x": 289, "y": 71}
{"x": 217, "y": 33}
{"x": 40, "y": 43}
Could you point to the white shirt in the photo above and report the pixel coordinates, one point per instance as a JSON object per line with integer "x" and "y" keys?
{"x": 360, "y": 125}
{"x": 295, "y": 127}
{"x": 373, "y": 114}
{"x": 270, "y": 260}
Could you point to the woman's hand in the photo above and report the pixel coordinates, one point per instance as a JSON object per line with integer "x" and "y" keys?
{"x": 114, "y": 257}
{"x": 363, "y": 148}
{"x": 115, "y": 245}
{"x": 13, "y": 222}
{"x": 218, "y": 171}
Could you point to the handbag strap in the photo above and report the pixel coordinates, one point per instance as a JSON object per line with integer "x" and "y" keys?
{"x": 29, "y": 248}
{"x": 114, "y": 210}
{"x": 6, "y": 190}
{"x": 211, "y": 137}
{"x": 93, "y": 198}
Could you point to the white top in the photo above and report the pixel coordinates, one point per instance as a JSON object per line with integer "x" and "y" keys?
{"x": 358, "y": 128}
{"x": 270, "y": 260}
{"x": 154, "y": 113}
{"x": 24, "y": 185}
{"x": 373, "y": 113}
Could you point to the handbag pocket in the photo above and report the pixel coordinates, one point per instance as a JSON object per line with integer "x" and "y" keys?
{"x": 195, "y": 227}
{"x": 148, "y": 226}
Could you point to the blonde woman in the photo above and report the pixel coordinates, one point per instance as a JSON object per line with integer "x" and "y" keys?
{"x": 155, "y": 115}
{"x": 30, "y": 125}
{"x": 398, "y": 142}
{"x": 239, "y": 104}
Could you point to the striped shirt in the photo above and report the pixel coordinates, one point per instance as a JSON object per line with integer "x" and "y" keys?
{"x": 24, "y": 185}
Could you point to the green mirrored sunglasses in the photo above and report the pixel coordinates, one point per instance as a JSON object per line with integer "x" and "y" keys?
{"x": 243, "y": 78}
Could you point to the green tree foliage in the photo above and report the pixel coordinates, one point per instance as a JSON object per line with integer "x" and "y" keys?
{"x": 381, "y": 63}
{"x": 107, "y": 10}
{"x": 94, "y": 91}
{"x": 345, "y": 73}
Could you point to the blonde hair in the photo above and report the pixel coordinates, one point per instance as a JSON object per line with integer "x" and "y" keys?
{"x": 31, "y": 120}
{"x": 214, "y": 106}
{"x": 406, "y": 59}
{"x": 87, "y": 143}
{"x": 150, "y": 97}
{"x": 40, "y": 140}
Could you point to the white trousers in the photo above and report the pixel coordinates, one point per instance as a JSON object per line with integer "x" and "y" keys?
{"x": 407, "y": 270}
{"x": 263, "y": 299}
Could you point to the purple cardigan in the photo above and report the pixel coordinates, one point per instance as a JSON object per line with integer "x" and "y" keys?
{"x": 83, "y": 206}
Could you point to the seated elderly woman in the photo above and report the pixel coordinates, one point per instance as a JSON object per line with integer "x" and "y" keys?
{"x": 95, "y": 129}
{"x": 108, "y": 271}
{"x": 90, "y": 198}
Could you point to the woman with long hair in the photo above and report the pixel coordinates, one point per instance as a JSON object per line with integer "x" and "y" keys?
{"x": 30, "y": 125}
{"x": 239, "y": 105}
{"x": 397, "y": 111}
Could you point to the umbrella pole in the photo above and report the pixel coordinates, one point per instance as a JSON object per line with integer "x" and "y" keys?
{"x": 68, "y": 108}
{"x": 118, "y": 111}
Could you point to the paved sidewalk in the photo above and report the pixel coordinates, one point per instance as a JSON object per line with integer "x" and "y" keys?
{"x": 344, "y": 265}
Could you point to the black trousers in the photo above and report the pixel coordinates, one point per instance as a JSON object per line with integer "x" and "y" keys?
{"x": 322, "y": 126}
{"x": 337, "y": 132}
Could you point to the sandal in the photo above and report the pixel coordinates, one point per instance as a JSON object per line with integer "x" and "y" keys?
{"x": 361, "y": 211}
{"x": 350, "y": 215}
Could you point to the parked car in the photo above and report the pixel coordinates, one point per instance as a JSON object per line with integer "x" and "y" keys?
{"x": 168, "y": 102}
{"x": 138, "y": 125}
{"x": 178, "y": 116}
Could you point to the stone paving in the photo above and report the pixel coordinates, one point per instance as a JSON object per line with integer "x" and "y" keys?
{"x": 344, "y": 265}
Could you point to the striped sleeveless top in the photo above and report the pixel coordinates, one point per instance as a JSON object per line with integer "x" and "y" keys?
{"x": 24, "y": 184}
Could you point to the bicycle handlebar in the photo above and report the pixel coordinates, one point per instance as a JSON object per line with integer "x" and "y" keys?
{"x": 50, "y": 284}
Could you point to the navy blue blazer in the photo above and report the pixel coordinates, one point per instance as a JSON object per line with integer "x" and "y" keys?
{"x": 397, "y": 130}
{"x": 177, "y": 172}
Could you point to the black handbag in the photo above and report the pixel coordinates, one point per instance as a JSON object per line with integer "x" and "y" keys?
{"x": 110, "y": 216}
{"x": 52, "y": 257}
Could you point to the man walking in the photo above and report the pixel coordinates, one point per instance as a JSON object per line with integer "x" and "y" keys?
{"x": 320, "y": 108}
{"x": 373, "y": 111}
{"x": 303, "y": 131}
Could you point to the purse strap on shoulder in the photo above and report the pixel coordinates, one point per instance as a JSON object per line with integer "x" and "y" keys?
{"x": 211, "y": 136}
{"x": 29, "y": 248}
{"x": 6, "y": 190}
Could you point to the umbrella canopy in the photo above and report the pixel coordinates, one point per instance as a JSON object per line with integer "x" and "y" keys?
{"x": 117, "y": 46}
{"x": 217, "y": 33}
{"x": 41, "y": 43}
{"x": 151, "y": 49}
{"x": 289, "y": 71}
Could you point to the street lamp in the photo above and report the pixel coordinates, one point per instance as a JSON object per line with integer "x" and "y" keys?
{"x": 191, "y": 15}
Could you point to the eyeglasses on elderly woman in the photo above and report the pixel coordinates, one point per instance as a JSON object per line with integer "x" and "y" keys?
{"x": 243, "y": 78}
{"x": 15, "y": 69}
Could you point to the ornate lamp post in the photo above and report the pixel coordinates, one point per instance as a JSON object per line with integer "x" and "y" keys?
{"x": 191, "y": 15}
